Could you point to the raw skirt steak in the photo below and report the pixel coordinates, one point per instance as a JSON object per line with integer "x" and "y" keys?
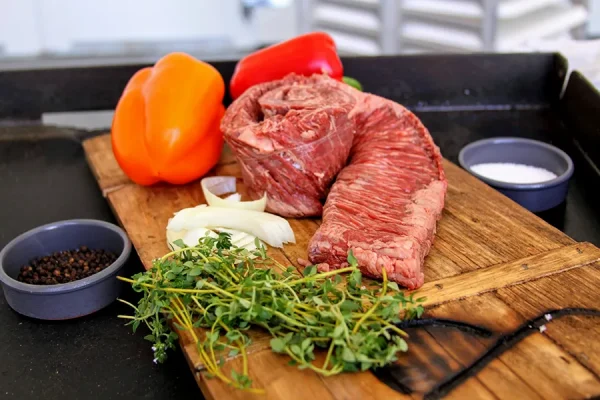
{"x": 385, "y": 204}
{"x": 291, "y": 137}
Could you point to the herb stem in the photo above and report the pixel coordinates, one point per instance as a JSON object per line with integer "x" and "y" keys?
{"x": 326, "y": 362}
{"x": 164, "y": 289}
{"x": 129, "y": 304}
{"x": 392, "y": 327}
{"x": 230, "y": 272}
{"x": 322, "y": 275}
{"x": 217, "y": 292}
{"x": 372, "y": 309}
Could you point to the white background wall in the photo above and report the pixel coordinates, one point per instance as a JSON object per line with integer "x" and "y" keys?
{"x": 18, "y": 27}
{"x": 594, "y": 21}
{"x": 32, "y": 26}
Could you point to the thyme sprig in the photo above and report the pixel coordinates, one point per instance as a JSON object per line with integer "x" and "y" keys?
{"x": 226, "y": 290}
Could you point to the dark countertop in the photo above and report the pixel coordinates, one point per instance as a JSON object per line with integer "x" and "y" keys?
{"x": 97, "y": 357}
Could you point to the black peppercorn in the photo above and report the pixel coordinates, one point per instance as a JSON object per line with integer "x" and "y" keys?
{"x": 65, "y": 266}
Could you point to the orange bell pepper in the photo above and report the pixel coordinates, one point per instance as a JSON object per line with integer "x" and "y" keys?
{"x": 166, "y": 123}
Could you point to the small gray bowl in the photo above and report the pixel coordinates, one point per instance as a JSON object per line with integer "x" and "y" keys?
{"x": 535, "y": 197}
{"x": 66, "y": 300}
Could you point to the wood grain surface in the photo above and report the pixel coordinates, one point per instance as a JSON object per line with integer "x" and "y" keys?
{"x": 493, "y": 264}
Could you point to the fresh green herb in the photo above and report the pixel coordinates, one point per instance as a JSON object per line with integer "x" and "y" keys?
{"x": 226, "y": 290}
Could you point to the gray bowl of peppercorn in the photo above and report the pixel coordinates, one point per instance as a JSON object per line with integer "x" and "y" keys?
{"x": 65, "y": 269}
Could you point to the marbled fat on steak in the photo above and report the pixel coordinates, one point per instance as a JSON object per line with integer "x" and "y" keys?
{"x": 291, "y": 137}
{"x": 385, "y": 204}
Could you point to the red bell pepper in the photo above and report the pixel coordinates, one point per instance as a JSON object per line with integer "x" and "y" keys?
{"x": 305, "y": 55}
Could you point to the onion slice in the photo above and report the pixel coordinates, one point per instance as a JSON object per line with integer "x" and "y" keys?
{"x": 241, "y": 239}
{"x": 172, "y": 237}
{"x": 189, "y": 237}
{"x": 270, "y": 228}
{"x": 215, "y": 186}
{"x": 234, "y": 197}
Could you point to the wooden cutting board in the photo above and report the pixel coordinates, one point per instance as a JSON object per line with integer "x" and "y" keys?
{"x": 493, "y": 264}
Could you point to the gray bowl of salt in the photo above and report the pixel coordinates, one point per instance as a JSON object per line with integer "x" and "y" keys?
{"x": 532, "y": 173}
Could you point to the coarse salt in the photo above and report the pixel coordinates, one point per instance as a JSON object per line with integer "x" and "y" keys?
{"x": 513, "y": 173}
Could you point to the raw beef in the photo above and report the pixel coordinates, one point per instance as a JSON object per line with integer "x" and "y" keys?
{"x": 385, "y": 204}
{"x": 291, "y": 137}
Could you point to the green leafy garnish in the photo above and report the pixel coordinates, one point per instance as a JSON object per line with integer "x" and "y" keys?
{"x": 226, "y": 290}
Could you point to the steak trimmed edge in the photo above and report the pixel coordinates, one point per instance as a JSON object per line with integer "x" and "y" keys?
{"x": 384, "y": 206}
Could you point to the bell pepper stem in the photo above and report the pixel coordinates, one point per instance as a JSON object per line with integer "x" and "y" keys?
{"x": 352, "y": 82}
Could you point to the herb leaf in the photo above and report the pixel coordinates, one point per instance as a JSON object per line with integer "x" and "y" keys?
{"x": 224, "y": 291}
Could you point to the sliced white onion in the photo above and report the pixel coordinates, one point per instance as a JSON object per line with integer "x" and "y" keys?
{"x": 234, "y": 197}
{"x": 236, "y": 236}
{"x": 215, "y": 186}
{"x": 270, "y": 228}
{"x": 240, "y": 239}
{"x": 190, "y": 237}
{"x": 173, "y": 236}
